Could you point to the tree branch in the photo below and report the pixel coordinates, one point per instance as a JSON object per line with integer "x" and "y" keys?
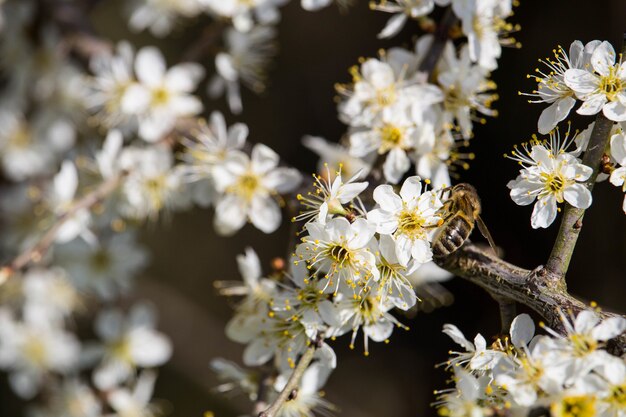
{"x": 292, "y": 384}
{"x": 571, "y": 224}
{"x": 206, "y": 42}
{"x": 36, "y": 252}
{"x": 439, "y": 42}
{"x": 534, "y": 289}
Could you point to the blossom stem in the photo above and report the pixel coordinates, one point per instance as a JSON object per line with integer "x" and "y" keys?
{"x": 439, "y": 42}
{"x": 571, "y": 224}
{"x": 206, "y": 42}
{"x": 292, "y": 383}
{"x": 36, "y": 252}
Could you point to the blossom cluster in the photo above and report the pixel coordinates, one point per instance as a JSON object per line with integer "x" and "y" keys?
{"x": 398, "y": 108}
{"x": 569, "y": 374}
{"x": 551, "y": 171}
{"x": 350, "y": 270}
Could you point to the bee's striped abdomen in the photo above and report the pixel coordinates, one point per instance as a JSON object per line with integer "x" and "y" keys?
{"x": 452, "y": 235}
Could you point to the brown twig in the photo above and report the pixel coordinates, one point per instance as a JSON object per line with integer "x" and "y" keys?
{"x": 292, "y": 383}
{"x": 441, "y": 36}
{"x": 571, "y": 224}
{"x": 36, "y": 252}
{"x": 534, "y": 289}
{"x": 206, "y": 42}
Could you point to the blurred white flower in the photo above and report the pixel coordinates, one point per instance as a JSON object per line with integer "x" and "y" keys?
{"x": 309, "y": 401}
{"x": 245, "y": 60}
{"x": 161, "y": 16}
{"x": 129, "y": 343}
{"x": 245, "y": 14}
{"x": 71, "y": 399}
{"x": 135, "y": 403}
{"x": 107, "y": 268}
{"x": 61, "y": 198}
{"x": 162, "y": 95}
{"x": 30, "y": 148}
{"x": 391, "y": 82}
{"x": 336, "y": 155}
{"x": 257, "y": 292}
{"x": 153, "y": 184}
{"x": 113, "y": 75}
{"x": 29, "y": 350}
{"x": 402, "y": 10}
{"x": 49, "y": 296}
{"x": 249, "y": 187}
{"x": 618, "y": 152}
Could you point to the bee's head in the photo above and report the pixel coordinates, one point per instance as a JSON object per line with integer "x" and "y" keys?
{"x": 468, "y": 193}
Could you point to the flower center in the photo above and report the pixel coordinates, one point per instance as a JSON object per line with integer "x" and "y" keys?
{"x": 410, "y": 223}
{"x": 534, "y": 372}
{"x": 583, "y": 345}
{"x": 554, "y": 182}
{"x": 21, "y": 139}
{"x": 155, "y": 188}
{"x": 579, "y": 406}
{"x": 339, "y": 253}
{"x": 247, "y": 186}
{"x": 618, "y": 396}
{"x": 611, "y": 85}
{"x": 35, "y": 351}
{"x": 309, "y": 296}
{"x": 390, "y": 137}
{"x": 386, "y": 96}
{"x": 160, "y": 96}
{"x": 100, "y": 260}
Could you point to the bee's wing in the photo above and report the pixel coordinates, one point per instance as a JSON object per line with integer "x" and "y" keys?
{"x": 485, "y": 232}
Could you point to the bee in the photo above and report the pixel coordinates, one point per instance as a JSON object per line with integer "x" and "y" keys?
{"x": 460, "y": 212}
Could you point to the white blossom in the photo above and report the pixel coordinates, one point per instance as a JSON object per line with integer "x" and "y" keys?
{"x": 340, "y": 250}
{"x": 249, "y": 187}
{"x": 551, "y": 86}
{"x": 549, "y": 175}
{"x": 329, "y": 197}
{"x": 162, "y": 95}
{"x": 409, "y": 218}
{"x": 602, "y": 88}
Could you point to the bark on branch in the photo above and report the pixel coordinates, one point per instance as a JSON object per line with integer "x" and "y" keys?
{"x": 535, "y": 289}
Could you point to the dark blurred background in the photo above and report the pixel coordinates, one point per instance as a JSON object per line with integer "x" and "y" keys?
{"x": 316, "y": 50}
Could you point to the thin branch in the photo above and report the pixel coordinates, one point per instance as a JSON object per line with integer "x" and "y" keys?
{"x": 441, "y": 36}
{"x": 292, "y": 384}
{"x": 572, "y": 222}
{"x": 206, "y": 42}
{"x": 534, "y": 289}
{"x": 36, "y": 252}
